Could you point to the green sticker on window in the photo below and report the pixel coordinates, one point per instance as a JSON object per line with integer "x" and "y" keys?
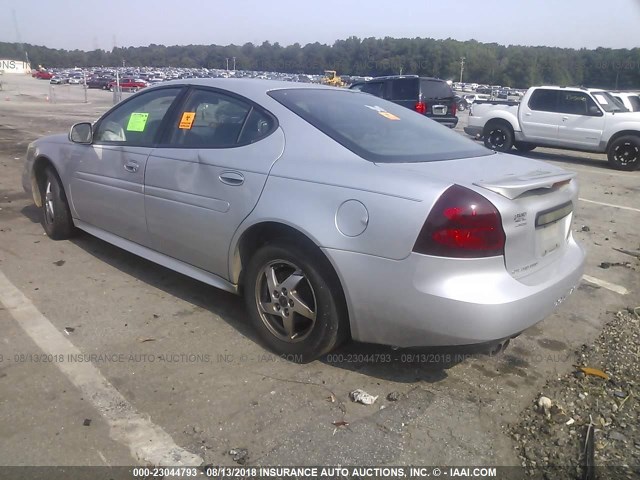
{"x": 137, "y": 122}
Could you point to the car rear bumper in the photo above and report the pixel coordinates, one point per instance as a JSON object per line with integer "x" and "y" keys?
{"x": 433, "y": 301}
{"x": 450, "y": 122}
{"x": 473, "y": 131}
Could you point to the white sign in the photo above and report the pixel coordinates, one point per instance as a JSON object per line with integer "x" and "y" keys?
{"x": 14, "y": 66}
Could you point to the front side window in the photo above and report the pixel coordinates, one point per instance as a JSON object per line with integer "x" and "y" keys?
{"x": 210, "y": 119}
{"x": 376, "y": 129}
{"x": 575, "y": 103}
{"x": 136, "y": 122}
{"x": 544, "y": 100}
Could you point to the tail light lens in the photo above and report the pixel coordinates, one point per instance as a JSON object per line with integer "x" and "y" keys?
{"x": 454, "y": 108}
{"x": 462, "y": 224}
{"x": 421, "y": 107}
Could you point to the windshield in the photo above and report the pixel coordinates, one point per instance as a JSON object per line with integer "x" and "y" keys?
{"x": 607, "y": 102}
{"x": 375, "y": 129}
{"x": 435, "y": 89}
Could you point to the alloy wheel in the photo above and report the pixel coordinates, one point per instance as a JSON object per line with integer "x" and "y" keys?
{"x": 49, "y": 212}
{"x": 286, "y": 301}
{"x": 627, "y": 154}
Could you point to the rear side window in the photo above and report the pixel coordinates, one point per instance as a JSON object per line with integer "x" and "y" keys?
{"x": 376, "y": 129}
{"x": 432, "y": 88}
{"x": 544, "y": 100}
{"x": 635, "y": 103}
{"x": 404, "y": 89}
{"x": 211, "y": 119}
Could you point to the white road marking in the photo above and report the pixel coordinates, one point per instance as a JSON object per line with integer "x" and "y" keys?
{"x": 608, "y": 285}
{"x": 610, "y": 205}
{"x": 148, "y": 443}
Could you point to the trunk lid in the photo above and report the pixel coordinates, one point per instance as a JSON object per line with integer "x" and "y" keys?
{"x": 535, "y": 200}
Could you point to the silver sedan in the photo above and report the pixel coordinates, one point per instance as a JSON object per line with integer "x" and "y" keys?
{"x": 335, "y": 213}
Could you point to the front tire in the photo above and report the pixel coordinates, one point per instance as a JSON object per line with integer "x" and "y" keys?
{"x": 624, "y": 153}
{"x": 295, "y": 302}
{"x": 498, "y": 137}
{"x": 56, "y": 215}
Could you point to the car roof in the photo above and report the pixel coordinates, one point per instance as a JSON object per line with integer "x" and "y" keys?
{"x": 396, "y": 77}
{"x": 245, "y": 86}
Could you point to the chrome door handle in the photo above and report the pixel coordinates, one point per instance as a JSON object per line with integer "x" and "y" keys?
{"x": 565, "y": 119}
{"x": 131, "y": 167}
{"x": 232, "y": 178}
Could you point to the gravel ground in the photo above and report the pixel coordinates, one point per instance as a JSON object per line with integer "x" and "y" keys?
{"x": 551, "y": 440}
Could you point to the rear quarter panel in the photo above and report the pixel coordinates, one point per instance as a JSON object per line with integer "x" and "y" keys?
{"x": 484, "y": 112}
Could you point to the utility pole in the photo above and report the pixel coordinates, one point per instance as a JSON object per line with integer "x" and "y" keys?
{"x": 19, "y": 38}
{"x": 462, "y": 59}
{"x": 234, "y": 64}
{"x": 227, "y": 64}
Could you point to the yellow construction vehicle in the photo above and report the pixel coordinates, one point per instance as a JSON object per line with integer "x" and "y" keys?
{"x": 332, "y": 79}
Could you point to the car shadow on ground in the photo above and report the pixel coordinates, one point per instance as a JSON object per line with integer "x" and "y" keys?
{"x": 405, "y": 365}
{"x": 600, "y": 163}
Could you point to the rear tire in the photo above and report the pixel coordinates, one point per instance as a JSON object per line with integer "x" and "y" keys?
{"x": 56, "y": 215}
{"x": 498, "y": 137}
{"x": 624, "y": 153}
{"x": 295, "y": 302}
{"x": 524, "y": 146}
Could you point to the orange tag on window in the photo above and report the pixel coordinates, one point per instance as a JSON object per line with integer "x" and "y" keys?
{"x": 390, "y": 116}
{"x": 187, "y": 120}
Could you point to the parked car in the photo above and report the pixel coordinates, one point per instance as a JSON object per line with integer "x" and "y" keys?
{"x": 133, "y": 84}
{"x": 369, "y": 221}
{"x": 43, "y": 75}
{"x": 99, "y": 82}
{"x": 430, "y": 96}
{"x": 461, "y": 103}
{"x": 631, "y": 101}
{"x": 561, "y": 117}
{"x": 76, "y": 80}
{"x": 475, "y": 97}
{"x": 56, "y": 80}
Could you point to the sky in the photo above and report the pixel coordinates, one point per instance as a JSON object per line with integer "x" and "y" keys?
{"x": 86, "y": 25}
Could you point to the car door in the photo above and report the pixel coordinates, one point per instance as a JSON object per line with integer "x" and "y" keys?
{"x": 208, "y": 176}
{"x": 539, "y": 117}
{"x": 108, "y": 180}
{"x": 581, "y": 121}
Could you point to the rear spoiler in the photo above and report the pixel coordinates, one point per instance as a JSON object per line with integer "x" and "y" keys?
{"x": 512, "y": 186}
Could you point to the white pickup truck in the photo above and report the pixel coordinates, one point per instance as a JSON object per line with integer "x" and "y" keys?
{"x": 560, "y": 117}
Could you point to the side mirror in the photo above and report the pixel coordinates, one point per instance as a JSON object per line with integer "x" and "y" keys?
{"x": 595, "y": 111}
{"x": 81, "y": 133}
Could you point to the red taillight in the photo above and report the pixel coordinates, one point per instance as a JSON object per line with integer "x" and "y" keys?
{"x": 421, "y": 107}
{"x": 462, "y": 224}
{"x": 454, "y": 108}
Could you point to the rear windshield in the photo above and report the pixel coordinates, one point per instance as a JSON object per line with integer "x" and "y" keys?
{"x": 376, "y": 129}
{"x": 435, "y": 89}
